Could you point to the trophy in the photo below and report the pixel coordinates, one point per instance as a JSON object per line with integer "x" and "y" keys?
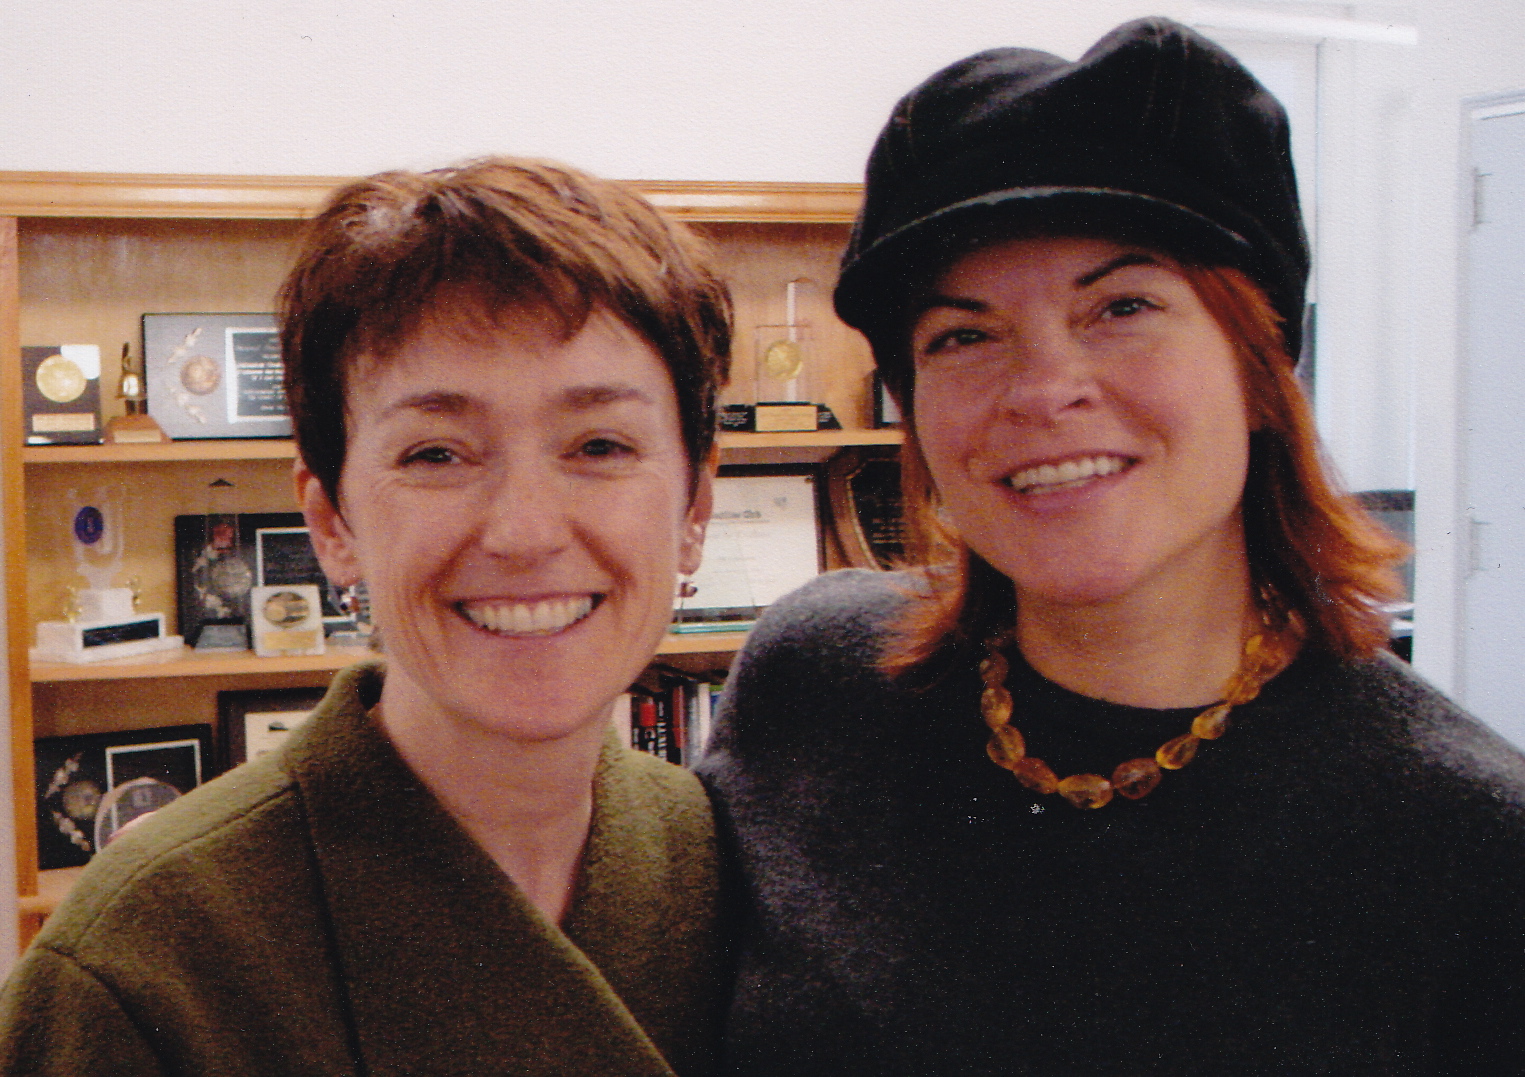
{"x": 221, "y": 578}
{"x": 784, "y": 360}
{"x": 102, "y": 622}
{"x": 136, "y": 426}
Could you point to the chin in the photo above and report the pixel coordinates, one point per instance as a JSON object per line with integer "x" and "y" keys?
{"x": 1088, "y": 585}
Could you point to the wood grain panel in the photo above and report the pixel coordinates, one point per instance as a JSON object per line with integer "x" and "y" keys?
{"x": 12, "y": 498}
{"x": 126, "y": 195}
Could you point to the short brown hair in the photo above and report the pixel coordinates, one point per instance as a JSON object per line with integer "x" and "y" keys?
{"x": 510, "y": 233}
{"x": 1310, "y": 544}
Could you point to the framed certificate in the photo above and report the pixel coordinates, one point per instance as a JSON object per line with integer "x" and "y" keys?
{"x": 764, "y": 540}
{"x": 252, "y": 723}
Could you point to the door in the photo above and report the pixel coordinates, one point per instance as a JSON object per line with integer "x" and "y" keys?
{"x": 1492, "y": 669}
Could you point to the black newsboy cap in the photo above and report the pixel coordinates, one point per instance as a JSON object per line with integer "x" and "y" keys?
{"x": 1156, "y": 135}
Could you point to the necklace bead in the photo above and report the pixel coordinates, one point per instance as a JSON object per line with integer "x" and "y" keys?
{"x": 1136, "y": 778}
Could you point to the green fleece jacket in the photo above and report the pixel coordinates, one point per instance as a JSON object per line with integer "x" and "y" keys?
{"x": 318, "y": 912}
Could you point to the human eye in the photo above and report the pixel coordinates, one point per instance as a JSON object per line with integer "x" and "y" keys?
{"x": 603, "y": 447}
{"x": 947, "y": 341}
{"x": 956, "y": 338}
{"x": 429, "y": 456}
{"x": 1126, "y": 306}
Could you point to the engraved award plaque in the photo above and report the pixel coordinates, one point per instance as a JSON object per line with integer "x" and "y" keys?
{"x": 286, "y": 619}
{"x": 61, "y": 391}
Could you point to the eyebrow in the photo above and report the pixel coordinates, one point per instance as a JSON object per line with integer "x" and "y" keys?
{"x": 584, "y": 397}
{"x": 576, "y": 398}
{"x": 1085, "y": 280}
{"x": 1122, "y": 261}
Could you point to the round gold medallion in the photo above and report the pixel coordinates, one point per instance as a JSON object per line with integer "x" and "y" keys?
{"x": 60, "y": 379}
{"x": 200, "y": 375}
{"x": 285, "y": 608}
{"x": 783, "y": 360}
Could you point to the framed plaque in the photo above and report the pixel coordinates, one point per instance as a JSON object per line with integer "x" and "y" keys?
{"x": 215, "y": 375}
{"x": 76, "y": 775}
{"x": 251, "y": 723}
{"x": 61, "y": 392}
{"x": 764, "y": 540}
{"x": 863, "y": 488}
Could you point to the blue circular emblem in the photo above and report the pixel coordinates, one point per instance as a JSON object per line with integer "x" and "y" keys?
{"x": 89, "y": 525}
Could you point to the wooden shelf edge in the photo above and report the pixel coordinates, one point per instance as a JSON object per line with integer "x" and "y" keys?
{"x": 810, "y": 439}
{"x": 52, "y": 887}
{"x": 282, "y": 449}
{"x": 701, "y": 643}
{"x": 166, "y": 451}
{"x": 186, "y": 662}
{"x": 104, "y": 194}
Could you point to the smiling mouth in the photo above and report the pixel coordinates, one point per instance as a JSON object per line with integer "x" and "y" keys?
{"x": 543, "y": 618}
{"x": 1050, "y": 478}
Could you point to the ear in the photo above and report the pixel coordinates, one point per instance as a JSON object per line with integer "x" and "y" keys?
{"x": 331, "y": 537}
{"x": 697, "y": 519}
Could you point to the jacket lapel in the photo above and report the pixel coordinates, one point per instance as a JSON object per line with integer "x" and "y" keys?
{"x": 449, "y": 968}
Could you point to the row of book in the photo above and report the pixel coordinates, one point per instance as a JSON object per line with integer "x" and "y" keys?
{"x": 669, "y": 714}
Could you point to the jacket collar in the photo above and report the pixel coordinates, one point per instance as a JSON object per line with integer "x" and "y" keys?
{"x": 448, "y": 968}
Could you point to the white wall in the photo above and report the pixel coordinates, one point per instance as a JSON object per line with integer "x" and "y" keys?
{"x": 643, "y": 89}
{"x": 783, "y": 90}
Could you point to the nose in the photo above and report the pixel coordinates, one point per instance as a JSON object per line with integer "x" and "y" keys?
{"x": 525, "y": 516}
{"x": 1047, "y": 374}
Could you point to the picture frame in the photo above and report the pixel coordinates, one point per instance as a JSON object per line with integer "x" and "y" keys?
{"x": 255, "y": 721}
{"x": 215, "y": 375}
{"x": 867, "y": 507}
{"x": 74, "y": 776}
{"x": 765, "y": 538}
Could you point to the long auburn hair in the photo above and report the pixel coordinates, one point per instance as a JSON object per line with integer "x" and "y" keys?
{"x": 1326, "y": 561}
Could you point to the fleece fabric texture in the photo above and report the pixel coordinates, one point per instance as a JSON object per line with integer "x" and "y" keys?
{"x": 317, "y": 911}
{"x": 1337, "y": 886}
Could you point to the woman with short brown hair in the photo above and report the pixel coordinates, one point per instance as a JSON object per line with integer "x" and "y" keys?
{"x": 502, "y": 377}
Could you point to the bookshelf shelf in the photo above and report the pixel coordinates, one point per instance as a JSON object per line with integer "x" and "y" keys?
{"x": 186, "y": 662}
{"x": 823, "y": 442}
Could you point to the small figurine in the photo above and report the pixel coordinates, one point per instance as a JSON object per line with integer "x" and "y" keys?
{"x": 136, "y": 426}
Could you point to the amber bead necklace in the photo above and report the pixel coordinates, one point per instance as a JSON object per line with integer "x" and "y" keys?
{"x": 1266, "y": 654}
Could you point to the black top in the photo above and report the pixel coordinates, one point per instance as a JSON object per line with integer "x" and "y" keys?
{"x": 1337, "y": 886}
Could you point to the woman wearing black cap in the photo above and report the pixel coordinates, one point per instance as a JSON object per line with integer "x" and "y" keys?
{"x": 1123, "y": 781}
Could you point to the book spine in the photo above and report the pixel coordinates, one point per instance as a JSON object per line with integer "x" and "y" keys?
{"x": 646, "y": 724}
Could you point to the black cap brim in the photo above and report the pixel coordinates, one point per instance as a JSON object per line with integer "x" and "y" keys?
{"x": 873, "y": 289}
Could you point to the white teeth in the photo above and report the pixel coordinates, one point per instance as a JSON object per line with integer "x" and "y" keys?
{"x": 1084, "y": 467}
{"x": 528, "y": 618}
